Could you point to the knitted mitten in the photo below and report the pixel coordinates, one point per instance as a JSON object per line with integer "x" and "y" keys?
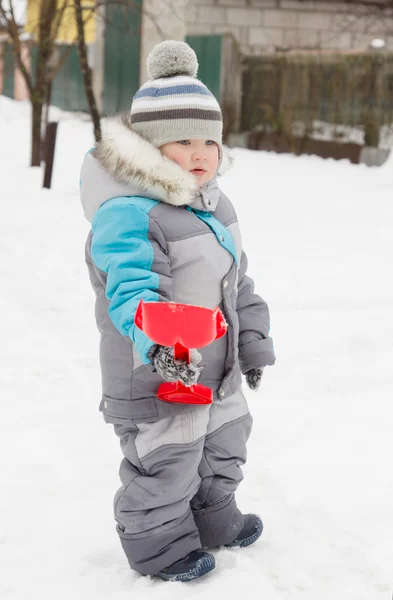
{"x": 170, "y": 369}
{"x": 253, "y": 378}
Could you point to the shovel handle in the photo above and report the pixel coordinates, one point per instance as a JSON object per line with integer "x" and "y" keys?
{"x": 138, "y": 315}
{"x": 221, "y": 324}
{"x": 181, "y": 352}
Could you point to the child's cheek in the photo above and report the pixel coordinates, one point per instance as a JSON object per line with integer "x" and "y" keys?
{"x": 181, "y": 159}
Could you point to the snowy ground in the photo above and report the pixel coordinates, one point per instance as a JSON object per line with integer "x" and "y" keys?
{"x": 319, "y": 239}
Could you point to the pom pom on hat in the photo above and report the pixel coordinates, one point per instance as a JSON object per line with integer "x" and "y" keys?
{"x": 174, "y": 105}
{"x": 171, "y": 58}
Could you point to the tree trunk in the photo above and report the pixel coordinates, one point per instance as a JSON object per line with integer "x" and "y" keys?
{"x": 49, "y": 19}
{"x": 86, "y": 72}
{"x": 37, "y": 100}
{"x": 36, "y": 106}
{"x": 39, "y": 91}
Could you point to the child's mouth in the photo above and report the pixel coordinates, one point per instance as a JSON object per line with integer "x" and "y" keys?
{"x": 198, "y": 171}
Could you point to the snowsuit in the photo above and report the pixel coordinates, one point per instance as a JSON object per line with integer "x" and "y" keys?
{"x": 156, "y": 236}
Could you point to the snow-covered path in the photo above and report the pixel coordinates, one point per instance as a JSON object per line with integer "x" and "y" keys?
{"x": 319, "y": 236}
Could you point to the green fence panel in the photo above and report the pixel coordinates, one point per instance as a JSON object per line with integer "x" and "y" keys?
{"x": 8, "y": 71}
{"x": 122, "y": 55}
{"x": 355, "y": 90}
{"x": 68, "y": 90}
{"x": 208, "y": 49}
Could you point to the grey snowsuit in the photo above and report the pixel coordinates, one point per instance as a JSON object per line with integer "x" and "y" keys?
{"x": 156, "y": 236}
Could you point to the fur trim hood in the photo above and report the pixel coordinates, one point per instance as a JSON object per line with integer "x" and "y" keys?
{"x": 125, "y": 164}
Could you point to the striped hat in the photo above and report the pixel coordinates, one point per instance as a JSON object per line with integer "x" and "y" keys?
{"x": 173, "y": 105}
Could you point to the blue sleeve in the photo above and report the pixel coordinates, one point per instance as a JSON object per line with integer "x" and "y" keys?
{"x": 122, "y": 249}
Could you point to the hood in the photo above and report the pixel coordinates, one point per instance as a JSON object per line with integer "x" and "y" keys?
{"x": 125, "y": 164}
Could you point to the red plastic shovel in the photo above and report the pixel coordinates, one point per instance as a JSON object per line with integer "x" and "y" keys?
{"x": 182, "y": 326}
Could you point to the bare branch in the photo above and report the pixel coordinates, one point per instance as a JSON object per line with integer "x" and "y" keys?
{"x": 53, "y": 72}
{"x": 58, "y": 18}
{"x": 13, "y": 31}
{"x": 86, "y": 71}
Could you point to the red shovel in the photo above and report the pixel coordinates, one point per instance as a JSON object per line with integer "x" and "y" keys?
{"x": 182, "y": 326}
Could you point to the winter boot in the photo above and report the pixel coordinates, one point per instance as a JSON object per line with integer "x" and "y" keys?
{"x": 196, "y": 564}
{"x": 251, "y": 531}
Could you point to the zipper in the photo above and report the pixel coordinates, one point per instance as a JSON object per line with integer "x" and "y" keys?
{"x": 229, "y": 321}
{"x": 230, "y": 328}
{"x": 191, "y": 426}
{"x": 188, "y": 424}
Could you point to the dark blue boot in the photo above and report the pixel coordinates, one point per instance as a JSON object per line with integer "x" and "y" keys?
{"x": 251, "y": 531}
{"x": 191, "y": 567}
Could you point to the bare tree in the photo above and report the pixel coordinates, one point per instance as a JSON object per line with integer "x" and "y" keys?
{"x": 49, "y": 19}
{"x": 82, "y": 47}
{"x": 86, "y": 71}
{"x": 38, "y": 85}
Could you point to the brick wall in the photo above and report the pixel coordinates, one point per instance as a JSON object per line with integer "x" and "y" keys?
{"x": 270, "y": 25}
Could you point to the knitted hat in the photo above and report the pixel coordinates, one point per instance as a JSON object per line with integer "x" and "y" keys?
{"x": 173, "y": 105}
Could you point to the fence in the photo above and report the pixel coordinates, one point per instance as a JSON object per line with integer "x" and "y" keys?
{"x": 341, "y": 98}
{"x": 220, "y": 69}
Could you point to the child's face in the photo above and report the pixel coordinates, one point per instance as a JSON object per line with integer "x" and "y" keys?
{"x": 199, "y": 157}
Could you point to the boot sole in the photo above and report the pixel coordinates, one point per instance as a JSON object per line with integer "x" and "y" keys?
{"x": 204, "y": 565}
{"x": 250, "y": 540}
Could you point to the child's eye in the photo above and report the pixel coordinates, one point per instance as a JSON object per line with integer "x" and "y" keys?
{"x": 209, "y": 142}
{"x": 184, "y": 142}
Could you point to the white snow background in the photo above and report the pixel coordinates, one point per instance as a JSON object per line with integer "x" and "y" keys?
{"x": 319, "y": 236}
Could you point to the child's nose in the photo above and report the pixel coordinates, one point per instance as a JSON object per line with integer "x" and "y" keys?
{"x": 197, "y": 156}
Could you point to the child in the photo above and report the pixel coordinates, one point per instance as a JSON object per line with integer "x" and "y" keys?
{"x": 163, "y": 231}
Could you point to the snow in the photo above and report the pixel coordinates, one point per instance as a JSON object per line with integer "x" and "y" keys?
{"x": 318, "y": 234}
{"x": 327, "y": 132}
{"x": 377, "y": 43}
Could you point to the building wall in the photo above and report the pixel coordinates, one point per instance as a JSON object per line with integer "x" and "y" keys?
{"x": 270, "y": 25}
{"x": 161, "y": 20}
{"x": 67, "y": 30}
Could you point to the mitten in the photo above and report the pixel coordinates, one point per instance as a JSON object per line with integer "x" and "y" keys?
{"x": 170, "y": 369}
{"x": 253, "y": 378}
